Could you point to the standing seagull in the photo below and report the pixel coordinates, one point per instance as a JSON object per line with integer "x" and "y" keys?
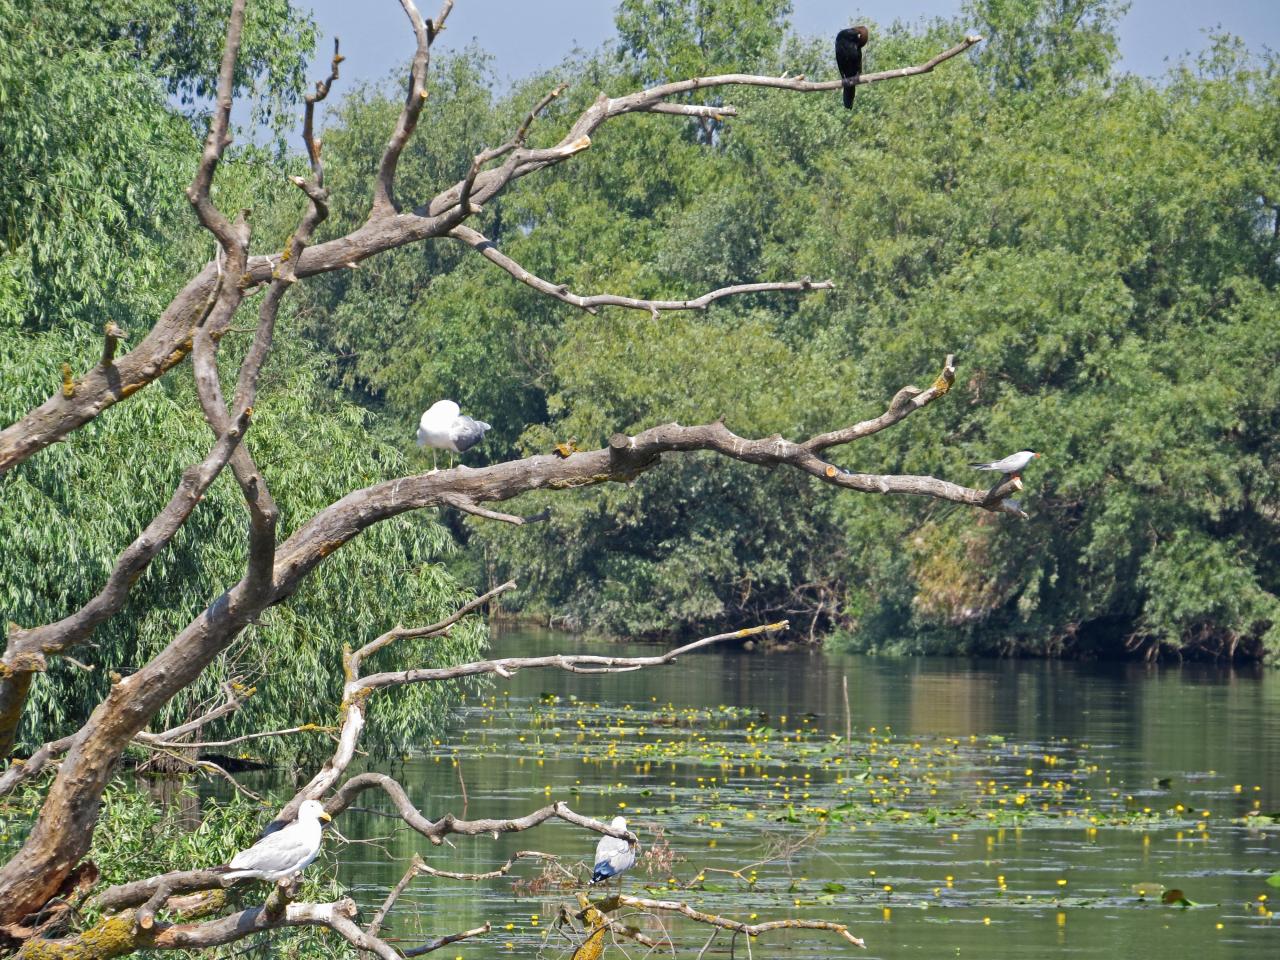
{"x": 443, "y": 427}
{"x": 1013, "y": 464}
{"x": 613, "y": 855}
{"x": 285, "y": 852}
{"x": 849, "y": 44}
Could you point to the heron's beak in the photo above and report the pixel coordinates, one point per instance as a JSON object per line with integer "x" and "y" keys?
{"x": 325, "y": 817}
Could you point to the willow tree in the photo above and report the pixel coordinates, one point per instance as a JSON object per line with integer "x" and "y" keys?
{"x": 38, "y": 879}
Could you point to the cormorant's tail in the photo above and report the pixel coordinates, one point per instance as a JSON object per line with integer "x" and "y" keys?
{"x": 848, "y": 96}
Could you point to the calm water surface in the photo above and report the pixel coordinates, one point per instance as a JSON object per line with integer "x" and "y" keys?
{"x": 927, "y": 734}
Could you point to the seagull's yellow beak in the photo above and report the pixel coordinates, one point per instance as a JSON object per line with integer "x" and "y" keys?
{"x": 325, "y": 817}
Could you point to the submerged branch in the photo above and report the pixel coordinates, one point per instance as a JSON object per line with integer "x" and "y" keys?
{"x": 750, "y": 929}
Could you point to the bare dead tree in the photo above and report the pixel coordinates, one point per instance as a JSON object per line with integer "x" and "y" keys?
{"x": 51, "y": 859}
{"x": 132, "y": 923}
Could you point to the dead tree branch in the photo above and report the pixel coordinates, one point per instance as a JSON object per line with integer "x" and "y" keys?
{"x": 168, "y": 342}
{"x": 26, "y": 650}
{"x": 61, "y": 835}
{"x": 235, "y": 696}
{"x": 434, "y": 630}
{"x": 486, "y": 156}
{"x": 219, "y": 137}
{"x": 434, "y": 945}
{"x": 437, "y": 830}
{"x": 354, "y": 695}
{"x": 117, "y": 935}
{"x": 486, "y": 248}
{"x": 309, "y": 111}
{"x": 573, "y": 663}
{"x": 501, "y": 871}
{"x": 473, "y": 508}
{"x": 523, "y": 162}
{"x": 419, "y": 866}
{"x": 705, "y": 111}
{"x": 245, "y": 738}
{"x": 415, "y": 98}
{"x": 751, "y": 930}
{"x": 20, "y": 771}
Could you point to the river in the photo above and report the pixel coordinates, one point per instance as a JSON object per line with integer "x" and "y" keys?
{"x": 1012, "y": 809}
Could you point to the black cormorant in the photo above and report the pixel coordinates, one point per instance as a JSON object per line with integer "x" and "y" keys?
{"x": 849, "y": 44}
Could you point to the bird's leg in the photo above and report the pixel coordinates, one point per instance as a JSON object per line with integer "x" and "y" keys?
{"x": 434, "y": 468}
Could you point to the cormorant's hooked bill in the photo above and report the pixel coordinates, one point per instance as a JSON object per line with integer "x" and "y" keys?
{"x": 849, "y": 44}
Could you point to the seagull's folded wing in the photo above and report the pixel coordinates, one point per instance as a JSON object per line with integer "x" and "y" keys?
{"x": 465, "y": 433}
{"x": 274, "y": 852}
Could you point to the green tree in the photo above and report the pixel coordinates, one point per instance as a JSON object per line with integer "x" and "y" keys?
{"x": 1047, "y": 44}
{"x": 1100, "y": 250}
{"x": 671, "y": 39}
{"x": 97, "y": 229}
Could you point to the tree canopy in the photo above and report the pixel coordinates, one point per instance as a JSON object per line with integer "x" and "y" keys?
{"x": 1099, "y": 249}
{"x": 96, "y": 229}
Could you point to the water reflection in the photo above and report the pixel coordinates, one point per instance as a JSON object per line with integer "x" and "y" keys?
{"x": 1119, "y": 735}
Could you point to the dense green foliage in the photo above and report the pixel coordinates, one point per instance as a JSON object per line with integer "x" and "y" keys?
{"x": 1100, "y": 252}
{"x": 159, "y": 826}
{"x": 96, "y": 228}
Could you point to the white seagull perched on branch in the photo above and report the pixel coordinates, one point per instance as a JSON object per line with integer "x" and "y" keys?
{"x": 613, "y": 855}
{"x": 1013, "y": 464}
{"x": 283, "y": 853}
{"x": 443, "y": 427}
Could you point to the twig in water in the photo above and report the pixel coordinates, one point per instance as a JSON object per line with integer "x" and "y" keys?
{"x": 462, "y": 783}
{"x": 848, "y": 725}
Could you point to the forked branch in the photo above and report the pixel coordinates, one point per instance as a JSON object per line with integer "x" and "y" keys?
{"x": 424, "y": 33}
{"x": 591, "y": 304}
{"x": 309, "y": 115}
{"x": 120, "y": 934}
{"x": 219, "y": 137}
{"x": 487, "y": 156}
{"x": 724, "y": 923}
{"x": 168, "y": 341}
{"x": 653, "y": 100}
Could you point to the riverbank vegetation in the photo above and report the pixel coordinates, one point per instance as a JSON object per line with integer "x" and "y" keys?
{"x": 1100, "y": 249}
{"x": 1066, "y": 259}
{"x": 222, "y": 617}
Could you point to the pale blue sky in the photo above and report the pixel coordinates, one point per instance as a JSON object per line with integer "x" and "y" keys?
{"x": 527, "y": 35}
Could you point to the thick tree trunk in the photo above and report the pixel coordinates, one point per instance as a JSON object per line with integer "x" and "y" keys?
{"x": 63, "y": 833}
